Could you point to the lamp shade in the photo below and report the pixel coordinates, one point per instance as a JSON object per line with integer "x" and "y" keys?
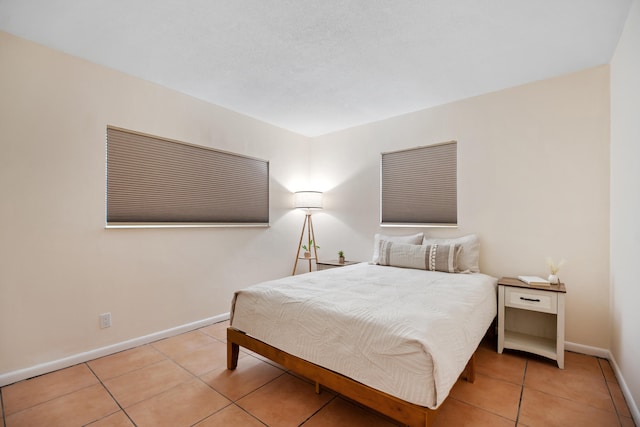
{"x": 308, "y": 199}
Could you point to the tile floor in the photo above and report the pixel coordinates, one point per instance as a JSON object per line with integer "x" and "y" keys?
{"x": 183, "y": 381}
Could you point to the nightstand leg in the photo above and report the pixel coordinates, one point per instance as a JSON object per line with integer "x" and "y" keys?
{"x": 560, "y": 332}
{"x": 500, "y": 318}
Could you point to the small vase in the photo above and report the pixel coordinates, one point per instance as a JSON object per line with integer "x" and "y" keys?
{"x": 341, "y": 260}
{"x": 553, "y": 279}
{"x": 307, "y": 254}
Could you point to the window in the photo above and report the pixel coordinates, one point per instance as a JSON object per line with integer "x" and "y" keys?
{"x": 156, "y": 181}
{"x": 418, "y": 186}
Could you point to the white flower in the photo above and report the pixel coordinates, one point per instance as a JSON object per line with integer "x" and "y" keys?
{"x": 553, "y": 267}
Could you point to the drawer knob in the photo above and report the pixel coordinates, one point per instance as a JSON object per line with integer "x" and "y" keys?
{"x": 530, "y": 299}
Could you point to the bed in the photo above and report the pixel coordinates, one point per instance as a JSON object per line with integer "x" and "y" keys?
{"x": 394, "y": 339}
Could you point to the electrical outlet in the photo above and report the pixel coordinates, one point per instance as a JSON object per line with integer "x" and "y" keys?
{"x": 105, "y": 320}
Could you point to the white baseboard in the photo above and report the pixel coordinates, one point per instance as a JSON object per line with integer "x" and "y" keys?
{"x": 587, "y": 349}
{"x": 606, "y": 354}
{"x": 631, "y": 404}
{"x": 65, "y": 362}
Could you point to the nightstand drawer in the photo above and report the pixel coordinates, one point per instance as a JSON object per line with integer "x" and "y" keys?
{"x": 531, "y": 299}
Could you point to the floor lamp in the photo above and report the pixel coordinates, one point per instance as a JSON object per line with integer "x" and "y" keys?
{"x": 308, "y": 200}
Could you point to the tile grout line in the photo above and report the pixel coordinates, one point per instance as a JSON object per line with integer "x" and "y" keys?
{"x": 214, "y": 337}
{"x": 196, "y": 348}
{"x": 213, "y": 413}
{"x": 490, "y": 411}
{"x": 234, "y": 402}
{"x": 250, "y": 414}
{"x": 367, "y": 409}
{"x": 609, "y": 391}
{"x": 166, "y": 358}
{"x": 225, "y": 407}
{"x": 524, "y": 376}
{"x": 480, "y": 408}
{"x": 199, "y": 378}
{"x": 335, "y": 396}
{"x": 51, "y": 399}
{"x": 112, "y": 396}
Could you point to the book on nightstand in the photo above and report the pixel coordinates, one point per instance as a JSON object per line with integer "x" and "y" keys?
{"x": 534, "y": 280}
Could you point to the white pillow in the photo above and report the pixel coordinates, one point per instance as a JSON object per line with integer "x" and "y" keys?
{"x": 413, "y": 239}
{"x": 469, "y": 257}
{"x": 424, "y": 257}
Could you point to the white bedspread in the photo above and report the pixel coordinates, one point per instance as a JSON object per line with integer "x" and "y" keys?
{"x": 406, "y": 332}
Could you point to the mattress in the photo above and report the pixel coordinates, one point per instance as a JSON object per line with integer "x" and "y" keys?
{"x": 405, "y": 332}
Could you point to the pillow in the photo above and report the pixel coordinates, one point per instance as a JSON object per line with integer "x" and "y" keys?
{"x": 413, "y": 239}
{"x": 424, "y": 257}
{"x": 468, "y": 260}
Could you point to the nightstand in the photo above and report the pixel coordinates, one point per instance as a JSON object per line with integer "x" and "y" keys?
{"x": 531, "y": 318}
{"x": 333, "y": 263}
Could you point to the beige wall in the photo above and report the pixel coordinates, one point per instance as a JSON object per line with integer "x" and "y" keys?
{"x": 625, "y": 206}
{"x": 533, "y": 181}
{"x": 59, "y": 267}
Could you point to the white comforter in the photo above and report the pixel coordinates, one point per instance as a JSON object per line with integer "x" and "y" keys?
{"x": 406, "y": 332}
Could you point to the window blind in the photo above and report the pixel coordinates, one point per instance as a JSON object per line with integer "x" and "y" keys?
{"x": 419, "y": 186}
{"x": 154, "y": 180}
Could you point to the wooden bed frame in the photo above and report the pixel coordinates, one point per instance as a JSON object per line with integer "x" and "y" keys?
{"x": 398, "y": 409}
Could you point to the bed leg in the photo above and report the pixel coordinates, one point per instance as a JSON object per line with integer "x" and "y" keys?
{"x": 233, "y": 350}
{"x": 469, "y": 372}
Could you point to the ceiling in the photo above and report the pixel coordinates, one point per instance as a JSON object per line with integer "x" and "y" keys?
{"x": 315, "y": 67}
